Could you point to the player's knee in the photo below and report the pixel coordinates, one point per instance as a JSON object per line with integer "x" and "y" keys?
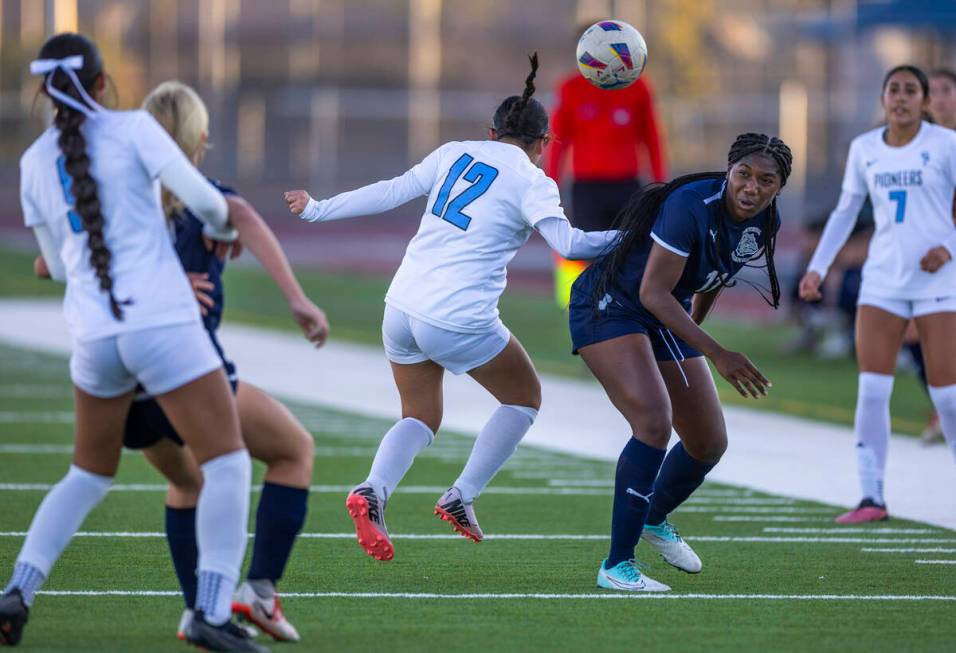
{"x": 533, "y": 398}
{"x": 654, "y": 426}
{"x": 430, "y": 418}
{"x": 305, "y": 454}
{"x": 708, "y": 452}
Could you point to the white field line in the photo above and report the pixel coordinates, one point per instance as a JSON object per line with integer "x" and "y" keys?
{"x": 609, "y": 596}
{"x": 769, "y": 518}
{"x": 319, "y": 489}
{"x": 415, "y": 489}
{"x": 847, "y": 531}
{"x": 320, "y": 451}
{"x": 935, "y": 562}
{"x": 609, "y": 483}
{"x": 568, "y": 537}
{"x": 35, "y": 391}
{"x": 908, "y": 550}
{"x": 44, "y": 417}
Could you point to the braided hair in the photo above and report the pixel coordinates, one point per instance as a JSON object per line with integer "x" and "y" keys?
{"x": 638, "y": 216}
{"x": 72, "y": 144}
{"x": 521, "y": 116}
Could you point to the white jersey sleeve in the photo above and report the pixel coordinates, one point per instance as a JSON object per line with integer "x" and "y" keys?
{"x": 574, "y": 244}
{"x": 32, "y": 215}
{"x": 543, "y": 200}
{"x": 854, "y": 180}
{"x": 153, "y": 146}
{"x": 837, "y": 232}
{"x": 378, "y": 197}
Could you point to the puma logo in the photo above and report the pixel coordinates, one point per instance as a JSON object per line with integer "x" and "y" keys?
{"x": 646, "y": 498}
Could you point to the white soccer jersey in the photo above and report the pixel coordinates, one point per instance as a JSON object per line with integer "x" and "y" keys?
{"x": 128, "y": 150}
{"x": 911, "y": 189}
{"x": 484, "y": 199}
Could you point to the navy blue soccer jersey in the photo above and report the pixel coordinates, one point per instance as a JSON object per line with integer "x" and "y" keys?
{"x": 195, "y": 257}
{"x": 694, "y": 223}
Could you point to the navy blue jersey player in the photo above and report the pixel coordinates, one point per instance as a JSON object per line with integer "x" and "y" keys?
{"x": 271, "y": 432}
{"x": 635, "y": 317}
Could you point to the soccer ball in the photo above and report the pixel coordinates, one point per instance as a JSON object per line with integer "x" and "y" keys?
{"x": 611, "y": 54}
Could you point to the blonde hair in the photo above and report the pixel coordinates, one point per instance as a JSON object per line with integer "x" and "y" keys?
{"x": 182, "y": 113}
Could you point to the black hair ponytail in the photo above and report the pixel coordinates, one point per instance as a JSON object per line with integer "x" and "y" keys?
{"x": 72, "y": 144}
{"x": 522, "y": 117}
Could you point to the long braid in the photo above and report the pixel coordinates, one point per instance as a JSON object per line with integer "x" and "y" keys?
{"x": 513, "y": 119}
{"x": 72, "y": 144}
{"x": 521, "y": 116}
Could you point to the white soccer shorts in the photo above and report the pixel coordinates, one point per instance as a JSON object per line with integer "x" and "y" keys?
{"x": 907, "y": 308}
{"x": 161, "y": 358}
{"x": 409, "y": 340}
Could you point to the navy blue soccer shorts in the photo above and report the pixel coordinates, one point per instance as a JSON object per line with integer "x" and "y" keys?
{"x": 590, "y": 326}
{"x": 147, "y": 424}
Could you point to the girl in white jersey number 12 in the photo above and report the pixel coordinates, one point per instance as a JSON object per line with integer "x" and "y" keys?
{"x": 484, "y": 200}
{"x": 89, "y": 190}
{"x": 908, "y": 168}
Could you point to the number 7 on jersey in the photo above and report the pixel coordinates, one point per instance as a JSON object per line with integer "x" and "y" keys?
{"x": 899, "y": 196}
{"x": 480, "y": 175}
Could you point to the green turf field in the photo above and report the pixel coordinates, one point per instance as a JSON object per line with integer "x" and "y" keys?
{"x": 803, "y": 386}
{"x": 777, "y": 575}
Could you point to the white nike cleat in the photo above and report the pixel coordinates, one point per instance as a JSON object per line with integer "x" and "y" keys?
{"x": 626, "y": 576}
{"x": 265, "y": 612}
{"x": 665, "y": 539}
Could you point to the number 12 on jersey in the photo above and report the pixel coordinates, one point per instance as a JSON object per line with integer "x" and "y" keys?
{"x": 899, "y": 196}
{"x": 480, "y": 175}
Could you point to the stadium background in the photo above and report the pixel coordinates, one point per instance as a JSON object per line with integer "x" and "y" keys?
{"x": 331, "y": 94}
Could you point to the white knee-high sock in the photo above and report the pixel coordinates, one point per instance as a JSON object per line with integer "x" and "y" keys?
{"x": 944, "y": 398}
{"x": 222, "y": 517}
{"x": 59, "y": 516}
{"x": 872, "y": 427}
{"x": 495, "y": 444}
{"x": 405, "y": 440}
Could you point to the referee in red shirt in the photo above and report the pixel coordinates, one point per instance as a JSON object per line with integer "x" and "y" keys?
{"x": 604, "y": 130}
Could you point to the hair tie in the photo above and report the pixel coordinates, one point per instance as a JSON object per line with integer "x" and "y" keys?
{"x": 67, "y": 65}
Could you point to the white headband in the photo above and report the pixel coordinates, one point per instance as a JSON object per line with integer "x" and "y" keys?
{"x": 67, "y": 65}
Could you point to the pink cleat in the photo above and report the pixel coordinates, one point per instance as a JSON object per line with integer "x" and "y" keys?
{"x": 460, "y": 515}
{"x": 367, "y": 510}
{"x": 867, "y": 511}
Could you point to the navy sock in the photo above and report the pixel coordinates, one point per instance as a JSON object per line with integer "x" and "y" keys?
{"x": 279, "y": 518}
{"x": 181, "y": 537}
{"x": 636, "y": 470}
{"x": 680, "y": 476}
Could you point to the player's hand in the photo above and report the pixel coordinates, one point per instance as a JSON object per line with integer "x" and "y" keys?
{"x": 311, "y": 319}
{"x": 935, "y": 259}
{"x": 741, "y": 373}
{"x": 810, "y": 287}
{"x": 40, "y": 269}
{"x": 297, "y": 200}
{"x": 201, "y": 286}
{"x": 221, "y": 249}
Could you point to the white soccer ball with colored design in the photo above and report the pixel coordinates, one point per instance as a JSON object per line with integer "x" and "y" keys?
{"x": 611, "y": 54}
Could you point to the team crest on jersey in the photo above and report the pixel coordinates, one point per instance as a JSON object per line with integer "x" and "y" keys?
{"x": 747, "y": 248}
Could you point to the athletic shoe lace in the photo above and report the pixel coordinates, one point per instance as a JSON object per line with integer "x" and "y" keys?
{"x": 670, "y": 530}
{"x": 630, "y": 570}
